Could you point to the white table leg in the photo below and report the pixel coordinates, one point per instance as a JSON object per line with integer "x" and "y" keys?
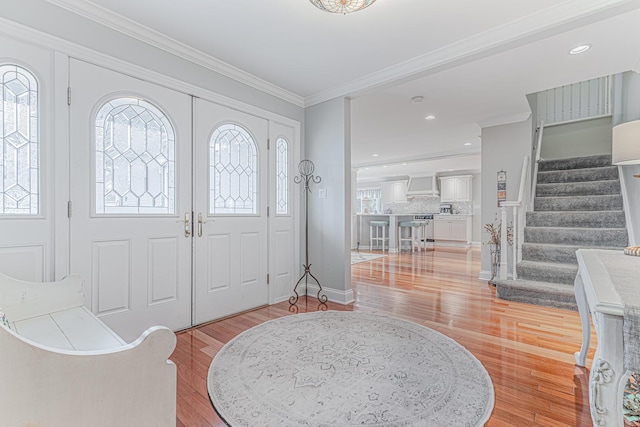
{"x": 583, "y": 309}
{"x": 608, "y": 376}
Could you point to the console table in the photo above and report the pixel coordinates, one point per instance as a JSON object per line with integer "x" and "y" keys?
{"x": 600, "y": 282}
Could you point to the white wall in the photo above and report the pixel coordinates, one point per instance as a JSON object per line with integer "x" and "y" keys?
{"x": 584, "y": 138}
{"x": 503, "y": 148}
{"x": 328, "y": 145}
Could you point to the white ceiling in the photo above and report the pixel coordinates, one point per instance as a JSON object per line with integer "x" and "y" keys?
{"x": 472, "y": 61}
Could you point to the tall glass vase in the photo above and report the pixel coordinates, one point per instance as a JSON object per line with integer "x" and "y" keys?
{"x": 495, "y": 262}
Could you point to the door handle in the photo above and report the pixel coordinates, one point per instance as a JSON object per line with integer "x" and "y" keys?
{"x": 200, "y": 222}
{"x": 187, "y": 224}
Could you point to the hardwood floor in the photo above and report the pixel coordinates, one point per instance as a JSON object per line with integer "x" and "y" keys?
{"x": 527, "y": 350}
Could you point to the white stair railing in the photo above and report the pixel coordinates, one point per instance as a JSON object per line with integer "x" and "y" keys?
{"x": 518, "y": 219}
{"x": 536, "y": 155}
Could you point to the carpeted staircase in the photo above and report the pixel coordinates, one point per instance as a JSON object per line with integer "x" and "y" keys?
{"x": 577, "y": 205}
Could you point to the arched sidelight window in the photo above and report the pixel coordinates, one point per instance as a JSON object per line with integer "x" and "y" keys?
{"x": 134, "y": 158}
{"x": 19, "y": 142}
{"x": 282, "y": 176}
{"x": 233, "y": 171}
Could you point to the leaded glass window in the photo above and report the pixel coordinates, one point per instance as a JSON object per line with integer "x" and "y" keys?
{"x": 135, "y": 158}
{"x": 19, "y": 143}
{"x": 233, "y": 171}
{"x": 282, "y": 176}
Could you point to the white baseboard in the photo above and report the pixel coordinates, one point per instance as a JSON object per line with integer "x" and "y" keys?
{"x": 484, "y": 275}
{"x": 334, "y": 295}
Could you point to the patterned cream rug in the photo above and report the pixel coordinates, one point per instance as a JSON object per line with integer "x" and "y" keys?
{"x": 336, "y": 368}
{"x": 357, "y": 257}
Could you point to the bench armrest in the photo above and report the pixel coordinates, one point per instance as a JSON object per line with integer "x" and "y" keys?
{"x": 132, "y": 385}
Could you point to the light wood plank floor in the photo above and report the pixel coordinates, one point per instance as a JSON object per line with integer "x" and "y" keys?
{"x": 527, "y": 350}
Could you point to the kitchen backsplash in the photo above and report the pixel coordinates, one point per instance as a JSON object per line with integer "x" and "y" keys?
{"x": 426, "y": 204}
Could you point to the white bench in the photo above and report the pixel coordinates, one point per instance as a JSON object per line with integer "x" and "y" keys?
{"x": 62, "y": 366}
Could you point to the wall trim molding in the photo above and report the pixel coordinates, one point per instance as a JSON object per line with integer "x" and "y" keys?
{"x": 127, "y": 26}
{"x": 334, "y": 295}
{"x": 39, "y": 38}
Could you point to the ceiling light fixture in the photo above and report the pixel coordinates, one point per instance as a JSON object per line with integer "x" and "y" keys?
{"x": 374, "y": 155}
{"x": 580, "y": 49}
{"x": 430, "y": 117}
{"x": 341, "y": 6}
{"x": 467, "y": 143}
{"x": 417, "y": 99}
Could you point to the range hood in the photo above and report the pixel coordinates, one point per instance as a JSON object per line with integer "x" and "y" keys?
{"x": 426, "y": 185}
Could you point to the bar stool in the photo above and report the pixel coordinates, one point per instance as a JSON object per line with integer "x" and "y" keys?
{"x": 421, "y": 233}
{"x": 380, "y": 228}
{"x": 406, "y": 233}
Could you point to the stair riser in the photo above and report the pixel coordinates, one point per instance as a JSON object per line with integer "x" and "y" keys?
{"x": 578, "y": 189}
{"x": 579, "y": 175}
{"x": 541, "y": 274}
{"x": 575, "y": 163}
{"x": 615, "y": 219}
{"x": 594, "y": 203}
{"x": 558, "y": 254}
{"x": 574, "y": 236}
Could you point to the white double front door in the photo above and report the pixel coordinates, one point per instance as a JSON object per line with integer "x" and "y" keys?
{"x": 169, "y": 200}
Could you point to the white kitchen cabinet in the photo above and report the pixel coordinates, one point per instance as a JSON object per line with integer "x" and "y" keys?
{"x": 455, "y": 188}
{"x": 456, "y": 228}
{"x": 394, "y": 192}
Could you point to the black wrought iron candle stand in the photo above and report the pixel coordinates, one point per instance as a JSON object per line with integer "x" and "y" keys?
{"x": 306, "y": 176}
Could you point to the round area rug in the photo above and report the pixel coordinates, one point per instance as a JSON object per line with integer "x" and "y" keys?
{"x": 348, "y": 369}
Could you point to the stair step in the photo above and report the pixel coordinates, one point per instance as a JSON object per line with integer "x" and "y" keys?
{"x": 577, "y": 219}
{"x": 612, "y": 237}
{"x": 547, "y": 272}
{"x": 590, "y": 188}
{"x": 539, "y": 293}
{"x": 578, "y": 175}
{"x": 579, "y": 203}
{"x": 575, "y": 163}
{"x": 562, "y": 254}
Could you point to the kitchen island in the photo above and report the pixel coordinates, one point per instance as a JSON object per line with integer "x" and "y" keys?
{"x": 394, "y": 219}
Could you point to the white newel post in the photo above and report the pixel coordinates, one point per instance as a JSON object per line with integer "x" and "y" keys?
{"x": 515, "y": 242}
{"x": 503, "y": 243}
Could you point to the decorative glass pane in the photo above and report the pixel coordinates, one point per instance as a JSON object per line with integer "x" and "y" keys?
{"x": 282, "y": 176}
{"x": 233, "y": 171}
{"x": 19, "y": 142}
{"x": 135, "y": 154}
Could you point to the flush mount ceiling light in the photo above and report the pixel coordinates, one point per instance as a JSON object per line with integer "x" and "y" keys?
{"x": 580, "y": 49}
{"x": 341, "y": 6}
{"x": 430, "y": 117}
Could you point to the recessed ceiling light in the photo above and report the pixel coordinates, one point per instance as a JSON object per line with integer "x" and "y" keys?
{"x": 580, "y": 49}
{"x": 404, "y": 164}
{"x": 384, "y": 166}
{"x": 374, "y": 155}
{"x": 417, "y": 99}
{"x": 467, "y": 143}
{"x": 450, "y": 169}
{"x": 430, "y": 117}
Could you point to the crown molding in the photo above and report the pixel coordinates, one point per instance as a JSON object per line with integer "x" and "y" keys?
{"x": 17, "y": 31}
{"x": 517, "y": 32}
{"x": 154, "y": 38}
{"x": 514, "y": 33}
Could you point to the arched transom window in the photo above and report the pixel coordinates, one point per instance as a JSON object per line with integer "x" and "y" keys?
{"x": 19, "y": 142}
{"x": 282, "y": 176}
{"x": 135, "y": 158}
{"x": 233, "y": 171}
